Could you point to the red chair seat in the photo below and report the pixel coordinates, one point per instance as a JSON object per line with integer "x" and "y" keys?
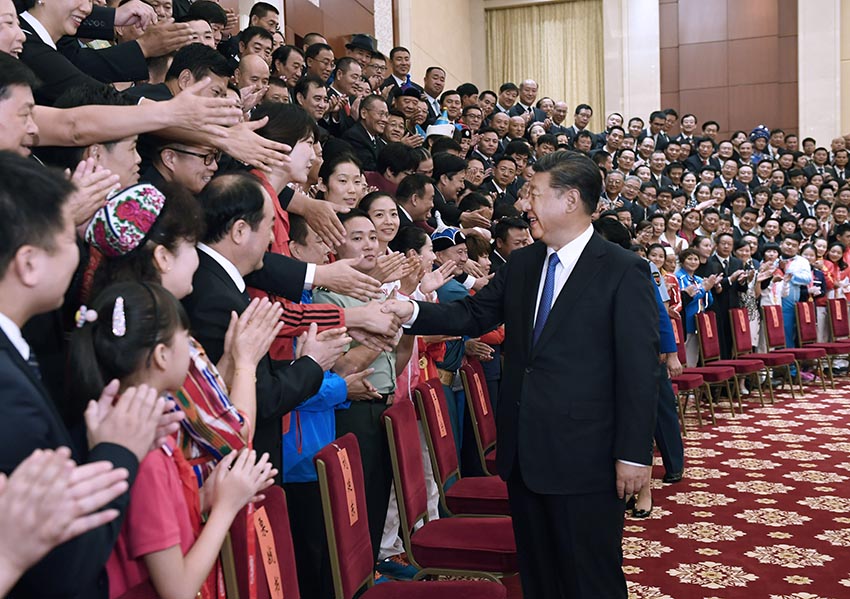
{"x": 712, "y": 374}
{"x": 741, "y": 366}
{"x": 479, "y": 495}
{"x": 490, "y": 461}
{"x": 804, "y": 353}
{"x": 688, "y": 381}
{"x": 772, "y": 359}
{"x": 466, "y": 544}
{"x": 461, "y": 589}
{"x": 836, "y": 348}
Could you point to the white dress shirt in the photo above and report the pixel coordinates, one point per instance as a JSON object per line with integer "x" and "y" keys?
{"x": 13, "y": 332}
{"x": 567, "y": 256}
{"x": 226, "y": 264}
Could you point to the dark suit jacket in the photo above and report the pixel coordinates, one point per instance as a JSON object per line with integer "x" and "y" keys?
{"x": 496, "y": 262}
{"x": 802, "y": 208}
{"x": 29, "y": 421}
{"x": 488, "y": 162}
{"x": 448, "y": 210}
{"x": 343, "y": 122}
{"x": 584, "y": 395}
{"x": 396, "y": 87}
{"x": 537, "y": 115}
{"x": 694, "y": 163}
{"x": 364, "y": 149}
{"x": 508, "y": 196}
{"x": 811, "y": 169}
{"x": 73, "y": 65}
{"x": 661, "y": 181}
{"x": 281, "y": 386}
{"x": 728, "y": 296}
{"x": 661, "y": 140}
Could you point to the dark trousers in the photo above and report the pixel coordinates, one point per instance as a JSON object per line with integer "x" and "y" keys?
{"x": 668, "y": 435}
{"x": 724, "y": 331}
{"x": 568, "y": 546}
{"x": 364, "y": 419}
{"x": 315, "y": 578}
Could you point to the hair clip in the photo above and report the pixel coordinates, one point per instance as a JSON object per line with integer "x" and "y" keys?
{"x": 119, "y": 322}
{"x": 84, "y": 315}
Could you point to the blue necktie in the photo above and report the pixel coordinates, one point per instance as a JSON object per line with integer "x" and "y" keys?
{"x": 546, "y": 298}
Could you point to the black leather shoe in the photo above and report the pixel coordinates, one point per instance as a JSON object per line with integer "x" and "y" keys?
{"x": 636, "y": 513}
{"x": 672, "y": 478}
{"x": 630, "y": 504}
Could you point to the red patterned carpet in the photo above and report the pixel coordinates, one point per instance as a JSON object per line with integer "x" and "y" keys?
{"x": 763, "y": 510}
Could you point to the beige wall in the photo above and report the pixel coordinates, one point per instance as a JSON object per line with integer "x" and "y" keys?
{"x": 448, "y": 33}
{"x": 845, "y": 66}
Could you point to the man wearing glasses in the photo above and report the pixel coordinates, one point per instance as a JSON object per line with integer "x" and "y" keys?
{"x": 187, "y": 165}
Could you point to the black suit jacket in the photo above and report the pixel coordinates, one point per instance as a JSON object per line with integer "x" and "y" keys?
{"x": 449, "y": 211}
{"x": 29, "y": 421}
{"x": 661, "y": 140}
{"x": 694, "y": 163}
{"x": 812, "y": 169}
{"x": 508, "y": 196}
{"x": 281, "y": 386}
{"x": 727, "y": 297}
{"x": 364, "y": 149}
{"x": 343, "y": 121}
{"x": 71, "y": 66}
{"x": 537, "y": 114}
{"x": 583, "y": 396}
{"x": 496, "y": 261}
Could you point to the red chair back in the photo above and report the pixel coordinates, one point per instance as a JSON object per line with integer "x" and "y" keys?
{"x": 774, "y": 326}
{"x": 839, "y": 326}
{"x": 408, "y": 469}
{"x": 679, "y": 334}
{"x": 481, "y": 408}
{"x": 741, "y": 335}
{"x": 341, "y": 483}
{"x": 709, "y": 342}
{"x": 807, "y": 324}
{"x": 278, "y": 521}
{"x": 434, "y": 412}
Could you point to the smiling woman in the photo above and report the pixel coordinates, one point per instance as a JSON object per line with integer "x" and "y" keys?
{"x": 46, "y": 23}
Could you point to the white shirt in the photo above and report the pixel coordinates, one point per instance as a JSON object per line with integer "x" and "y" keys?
{"x": 39, "y": 29}
{"x": 435, "y": 104}
{"x": 13, "y": 332}
{"x": 567, "y": 256}
{"x": 226, "y": 264}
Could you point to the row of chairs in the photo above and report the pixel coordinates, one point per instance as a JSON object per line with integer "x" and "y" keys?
{"x": 758, "y": 368}
{"x": 475, "y": 540}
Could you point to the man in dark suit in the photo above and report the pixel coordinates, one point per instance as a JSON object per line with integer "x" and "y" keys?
{"x": 38, "y": 243}
{"x": 239, "y": 217}
{"x": 702, "y": 157}
{"x": 415, "y": 199}
{"x": 399, "y": 78}
{"x": 733, "y": 282}
{"x": 576, "y": 418}
{"x": 365, "y": 135}
{"x": 342, "y": 109}
{"x": 581, "y": 118}
{"x": 525, "y": 104}
{"x": 657, "y": 120}
{"x": 509, "y": 234}
{"x": 820, "y": 164}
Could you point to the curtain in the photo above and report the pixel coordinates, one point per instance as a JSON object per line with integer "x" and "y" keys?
{"x": 559, "y": 45}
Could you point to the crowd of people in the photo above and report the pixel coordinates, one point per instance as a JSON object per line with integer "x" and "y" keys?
{"x": 199, "y": 233}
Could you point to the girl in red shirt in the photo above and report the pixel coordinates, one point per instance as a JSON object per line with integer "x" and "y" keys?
{"x": 138, "y": 333}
